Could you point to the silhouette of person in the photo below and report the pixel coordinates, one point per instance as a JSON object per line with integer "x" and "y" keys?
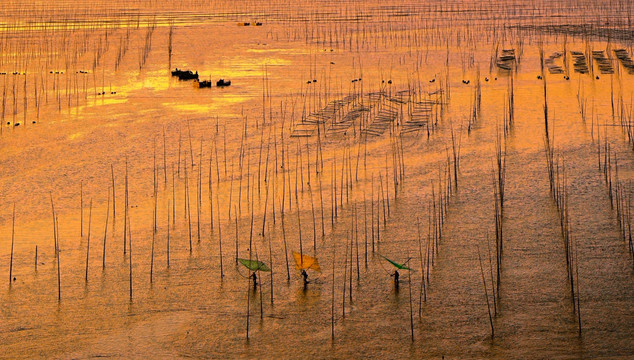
{"x": 255, "y": 280}
{"x": 305, "y": 276}
{"x": 396, "y": 275}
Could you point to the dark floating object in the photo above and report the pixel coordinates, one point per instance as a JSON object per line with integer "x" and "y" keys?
{"x": 222, "y": 83}
{"x": 204, "y": 84}
{"x": 16, "y": 124}
{"x": 566, "y": 77}
{"x": 597, "y": 77}
{"x": 496, "y": 79}
{"x": 432, "y": 80}
{"x": 486, "y": 79}
{"x": 185, "y": 74}
{"x": 539, "y": 77}
{"x": 33, "y": 122}
{"x": 315, "y": 80}
{"x": 332, "y": 63}
{"x": 389, "y": 81}
{"x": 466, "y": 82}
{"x": 308, "y": 82}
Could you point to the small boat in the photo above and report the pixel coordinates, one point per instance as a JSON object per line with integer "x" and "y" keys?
{"x": 185, "y": 74}
{"x": 223, "y": 82}
{"x": 204, "y": 84}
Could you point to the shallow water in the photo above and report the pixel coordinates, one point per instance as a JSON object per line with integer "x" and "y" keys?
{"x": 68, "y": 147}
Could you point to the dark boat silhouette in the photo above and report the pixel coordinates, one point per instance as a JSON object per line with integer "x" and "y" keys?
{"x": 204, "y": 84}
{"x": 222, "y": 82}
{"x": 185, "y": 74}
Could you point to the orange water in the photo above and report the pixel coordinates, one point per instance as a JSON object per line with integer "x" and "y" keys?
{"x": 151, "y": 120}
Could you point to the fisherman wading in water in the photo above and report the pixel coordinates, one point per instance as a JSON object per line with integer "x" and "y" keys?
{"x": 305, "y": 276}
{"x": 396, "y": 275}
{"x": 255, "y": 280}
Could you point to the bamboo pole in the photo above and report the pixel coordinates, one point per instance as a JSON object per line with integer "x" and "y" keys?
{"x": 168, "y": 233}
{"x": 332, "y": 305}
{"x": 12, "y": 245}
{"x": 486, "y": 294}
{"x": 411, "y": 311}
{"x": 114, "y": 207}
{"x": 130, "y": 254}
{"x": 88, "y": 241}
{"x": 105, "y": 232}
{"x": 81, "y": 208}
{"x": 59, "y": 271}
